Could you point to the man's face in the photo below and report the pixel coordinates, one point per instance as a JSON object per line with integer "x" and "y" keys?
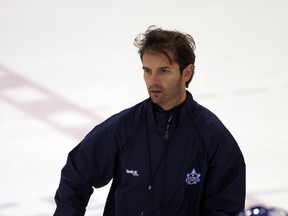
{"x": 165, "y": 84}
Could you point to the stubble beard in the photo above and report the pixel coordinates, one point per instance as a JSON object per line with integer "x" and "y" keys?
{"x": 170, "y": 98}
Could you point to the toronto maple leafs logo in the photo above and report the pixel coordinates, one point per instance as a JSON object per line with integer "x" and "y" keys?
{"x": 193, "y": 178}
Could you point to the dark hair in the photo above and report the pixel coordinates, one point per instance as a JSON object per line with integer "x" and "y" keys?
{"x": 181, "y": 45}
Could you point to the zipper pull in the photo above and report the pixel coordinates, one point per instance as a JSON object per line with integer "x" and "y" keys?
{"x": 166, "y": 134}
{"x": 149, "y": 187}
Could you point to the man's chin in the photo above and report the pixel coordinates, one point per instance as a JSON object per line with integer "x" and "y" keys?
{"x": 157, "y": 102}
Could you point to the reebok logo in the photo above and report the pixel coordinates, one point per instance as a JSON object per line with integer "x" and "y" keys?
{"x": 132, "y": 172}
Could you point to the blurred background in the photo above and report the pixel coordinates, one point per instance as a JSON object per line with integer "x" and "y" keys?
{"x": 65, "y": 66}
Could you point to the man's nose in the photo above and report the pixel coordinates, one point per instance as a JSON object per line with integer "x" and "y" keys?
{"x": 154, "y": 78}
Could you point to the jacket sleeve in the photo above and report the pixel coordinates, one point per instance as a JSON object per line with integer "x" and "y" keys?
{"x": 89, "y": 165}
{"x": 225, "y": 182}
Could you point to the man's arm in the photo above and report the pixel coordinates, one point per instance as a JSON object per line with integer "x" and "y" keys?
{"x": 74, "y": 191}
{"x": 225, "y": 188}
{"x": 91, "y": 164}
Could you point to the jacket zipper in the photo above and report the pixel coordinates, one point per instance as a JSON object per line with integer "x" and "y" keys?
{"x": 166, "y": 138}
{"x": 164, "y": 159}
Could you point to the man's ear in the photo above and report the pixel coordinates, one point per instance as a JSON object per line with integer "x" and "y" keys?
{"x": 188, "y": 72}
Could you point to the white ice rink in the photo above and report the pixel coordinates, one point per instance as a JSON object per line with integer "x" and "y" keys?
{"x": 66, "y": 65}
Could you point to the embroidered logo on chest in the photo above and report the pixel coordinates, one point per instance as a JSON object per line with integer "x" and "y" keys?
{"x": 193, "y": 178}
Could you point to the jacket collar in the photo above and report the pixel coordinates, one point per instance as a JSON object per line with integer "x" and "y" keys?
{"x": 159, "y": 117}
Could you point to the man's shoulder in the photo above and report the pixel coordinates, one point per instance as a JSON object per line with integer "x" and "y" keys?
{"x": 122, "y": 122}
{"x": 202, "y": 116}
{"x": 130, "y": 114}
{"x": 136, "y": 109}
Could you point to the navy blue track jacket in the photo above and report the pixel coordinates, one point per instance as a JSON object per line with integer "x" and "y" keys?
{"x": 178, "y": 163}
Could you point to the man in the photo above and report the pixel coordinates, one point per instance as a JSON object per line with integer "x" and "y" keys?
{"x": 167, "y": 156}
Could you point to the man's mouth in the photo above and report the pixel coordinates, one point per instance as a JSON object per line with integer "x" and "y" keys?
{"x": 155, "y": 91}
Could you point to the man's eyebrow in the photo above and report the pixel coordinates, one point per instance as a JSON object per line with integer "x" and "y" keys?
{"x": 161, "y": 68}
{"x": 165, "y": 67}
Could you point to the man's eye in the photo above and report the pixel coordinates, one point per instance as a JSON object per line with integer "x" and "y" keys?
{"x": 146, "y": 71}
{"x": 162, "y": 71}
